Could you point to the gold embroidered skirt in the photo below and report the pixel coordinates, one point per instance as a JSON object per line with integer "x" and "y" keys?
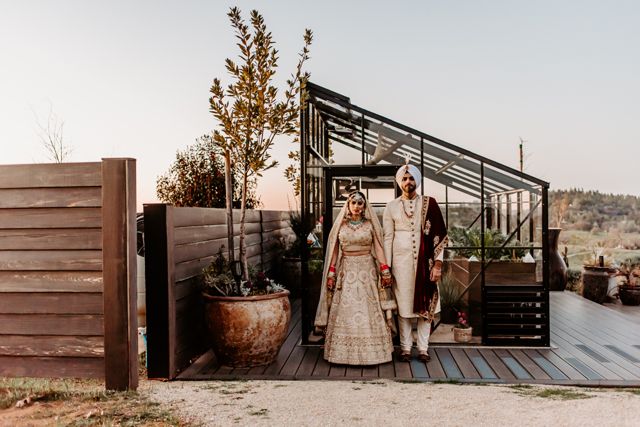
{"x": 357, "y": 333}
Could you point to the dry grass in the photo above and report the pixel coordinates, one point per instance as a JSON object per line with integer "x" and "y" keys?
{"x": 76, "y": 403}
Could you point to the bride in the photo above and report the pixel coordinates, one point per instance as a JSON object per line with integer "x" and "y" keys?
{"x": 355, "y": 304}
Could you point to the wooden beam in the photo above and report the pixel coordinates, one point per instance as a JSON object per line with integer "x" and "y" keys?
{"x": 119, "y": 273}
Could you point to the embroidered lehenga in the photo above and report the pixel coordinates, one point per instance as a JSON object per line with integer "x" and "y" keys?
{"x": 354, "y": 314}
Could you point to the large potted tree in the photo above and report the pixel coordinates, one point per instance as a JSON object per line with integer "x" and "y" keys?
{"x": 250, "y": 310}
{"x": 247, "y": 320}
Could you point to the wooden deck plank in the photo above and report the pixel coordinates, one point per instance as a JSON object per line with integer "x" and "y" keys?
{"x": 534, "y": 370}
{"x": 308, "y": 362}
{"x": 337, "y": 370}
{"x": 434, "y": 367}
{"x": 293, "y": 362}
{"x": 448, "y": 363}
{"x": 594, "y": 344}
{"x": 465, "y": 365}
{"x": 569, "y": 371}
{"x": 322, "y": 367}
{"x": 353, "y": 371}
{"x": 387, "y": 370}
{"x": 513, "y": 365}
{"x": 480, "y": 364}
{"x": 580, "y": 361}
{"x": 551, "y": 370}
{"x": 198, "y": 365}
{"x": 418, "y": 368}
{"x": 370, "y": 371}
{"x": 579, "y": 355}
{"x": 496, "y": 364}
{"x": 403, "y": 369}
{"x": 609, "y": 370}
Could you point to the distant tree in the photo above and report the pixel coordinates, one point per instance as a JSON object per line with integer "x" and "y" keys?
{"x": 51, "y": 134}
{"x": 196, "y": 178}
{"x": 250, "y": 111}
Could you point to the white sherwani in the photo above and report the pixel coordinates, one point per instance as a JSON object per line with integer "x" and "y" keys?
{"x": 402, "y": 234}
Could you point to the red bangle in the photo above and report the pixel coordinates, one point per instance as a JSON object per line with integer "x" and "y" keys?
{"x": 332, "y": 268}
{"x": 384, "y": 267}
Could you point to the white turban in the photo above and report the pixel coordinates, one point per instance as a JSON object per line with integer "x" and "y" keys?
{"x": 412, "y": 170}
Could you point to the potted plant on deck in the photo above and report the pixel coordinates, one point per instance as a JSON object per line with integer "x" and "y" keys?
{"x": 462, "y": 331}
{"x": 629, "y": 289}
{"x": 247, "y": 320}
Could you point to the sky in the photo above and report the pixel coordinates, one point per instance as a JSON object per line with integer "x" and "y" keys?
{"x": 132, "y": 78}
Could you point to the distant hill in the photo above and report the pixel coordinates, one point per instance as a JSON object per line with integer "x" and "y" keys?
{"x": 576, "y": 209}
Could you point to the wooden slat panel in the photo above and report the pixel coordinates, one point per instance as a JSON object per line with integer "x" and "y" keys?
{"x": 85, "y": 197}
{"x": 51, "y": 324}
{"x": 58, "y": 367}
{"x": 50, "y": 281}
{"x": 353, "y": 372}
{"x": 51, "y": 260}
{"x": 51, "y": 218}
{"x": 186, "y": 270}
{"x": 51, "y": 303}
{"x": 29, "y": 345}
{"x": 194, "y": 234}
{"x": 51, "y": 175}
{"x": 195, "y": 251}
{"x": 274, "y": 225}
{"x": 43, "y": 239}
{"x": 185, "y": 217}
{"x": 274, "y": 216}
{"x": 185, "y": 288}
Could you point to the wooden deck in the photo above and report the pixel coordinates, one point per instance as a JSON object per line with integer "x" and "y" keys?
{"x": 592, "y": 345}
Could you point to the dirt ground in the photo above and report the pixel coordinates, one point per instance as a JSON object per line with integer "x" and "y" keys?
{"x": 389, "y": 403}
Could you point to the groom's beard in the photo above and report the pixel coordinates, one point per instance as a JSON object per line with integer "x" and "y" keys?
{"x": 409, "y": 188}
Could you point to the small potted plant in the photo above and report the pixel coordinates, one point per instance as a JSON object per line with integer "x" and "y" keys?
{"x": 629, "y": 289}
{"x": 462, "y": 331}
{"x": 247, "y": 320}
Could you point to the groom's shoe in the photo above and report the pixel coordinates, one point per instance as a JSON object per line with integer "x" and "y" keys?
{"x": 423, "y": 356}
{"x": 405, "y": 356}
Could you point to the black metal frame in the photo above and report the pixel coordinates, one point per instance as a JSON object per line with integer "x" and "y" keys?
{"x": 328, "y": 116}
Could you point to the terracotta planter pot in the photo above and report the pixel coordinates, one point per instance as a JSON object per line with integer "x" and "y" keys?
{"x": 462, "y": 334}
{"x": 629, "y": 295}
{"x": 247, "y": 331}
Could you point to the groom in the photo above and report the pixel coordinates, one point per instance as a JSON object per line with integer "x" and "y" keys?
{"x": 415, "y": 235}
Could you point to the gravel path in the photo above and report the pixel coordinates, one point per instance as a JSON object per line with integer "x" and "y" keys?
{"x": 389, "y": 403}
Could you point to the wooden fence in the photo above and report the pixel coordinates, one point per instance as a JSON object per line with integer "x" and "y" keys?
{"x": 179, "y": 243}
{"x": 67, "y": 250}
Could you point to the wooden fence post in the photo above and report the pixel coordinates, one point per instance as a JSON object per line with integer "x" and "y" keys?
{"x": 159, "y": 281}
{"x": 119, "y": 273}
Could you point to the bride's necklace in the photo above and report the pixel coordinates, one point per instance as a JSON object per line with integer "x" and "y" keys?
{"x": 355, "y": 224}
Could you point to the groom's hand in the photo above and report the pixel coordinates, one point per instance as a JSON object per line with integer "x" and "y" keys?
{"x": 436, "y": 272}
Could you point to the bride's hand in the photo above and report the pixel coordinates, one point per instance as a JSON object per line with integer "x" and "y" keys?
{"x": 436, "y": 273}
{"x": 386, "y": 281}
{"x": 331, "y": 283}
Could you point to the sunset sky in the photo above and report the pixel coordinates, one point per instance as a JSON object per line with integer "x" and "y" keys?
{"x": 131, "y": 79}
